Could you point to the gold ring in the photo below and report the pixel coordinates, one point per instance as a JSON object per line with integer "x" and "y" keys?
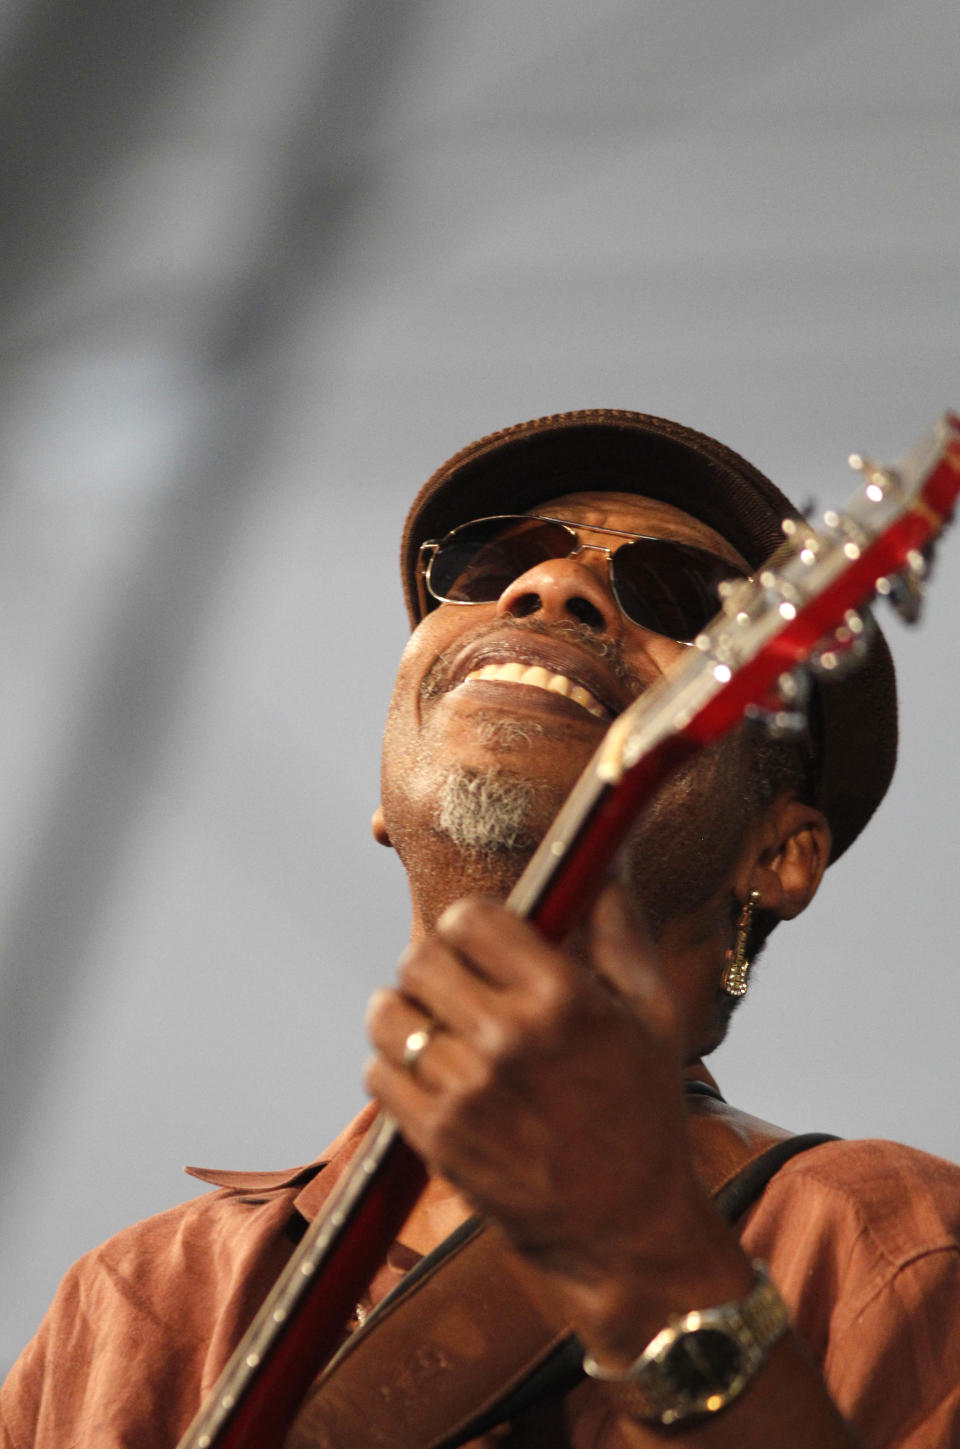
{"x": 415, "y": 1045}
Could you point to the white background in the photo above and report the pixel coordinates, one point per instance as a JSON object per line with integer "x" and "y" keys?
{"x": 262, "y": 268}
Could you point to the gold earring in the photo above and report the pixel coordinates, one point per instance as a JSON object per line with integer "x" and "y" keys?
{"x": 734, "y": 978}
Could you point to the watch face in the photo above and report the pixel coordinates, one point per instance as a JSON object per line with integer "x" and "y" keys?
{"x": 702, "y": 1362}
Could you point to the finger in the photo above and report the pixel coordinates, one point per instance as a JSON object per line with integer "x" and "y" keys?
{"x": 499, "y": 947}
{"x": 403, "y": 1096}
{"x": 391, "y": 1021}
{"x": 431, "y": 974}
{"x": 415, "y": 1045}
{"x": 419, "y": 1094}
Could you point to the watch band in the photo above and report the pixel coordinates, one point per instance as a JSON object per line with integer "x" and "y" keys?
{"x": 702, "y": 1360}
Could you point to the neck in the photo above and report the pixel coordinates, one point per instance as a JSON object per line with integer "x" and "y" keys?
{"x": 438, "y": 1211}
{"x": 450, "y": 874}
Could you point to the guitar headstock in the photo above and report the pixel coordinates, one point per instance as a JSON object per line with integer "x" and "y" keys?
{"x": 807, "y": 609}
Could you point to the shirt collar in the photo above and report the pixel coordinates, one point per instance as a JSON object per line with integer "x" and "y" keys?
{"x": 315, "y": 1186}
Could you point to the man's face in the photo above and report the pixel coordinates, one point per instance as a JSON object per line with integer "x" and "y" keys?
{"x": 462, "y": 735}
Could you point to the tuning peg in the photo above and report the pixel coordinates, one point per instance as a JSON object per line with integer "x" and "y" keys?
{"x": 878, "y": 480}
{"x": 735, "y": 596}
{"x": 785, "y": 714}
{"x": 846, "y": 648}
{"x": 801, "y": 539}
{"x": 905, "y": 589}
{"x": 780, "y": 724}
{"x": 854, "y": 633}
{"x": 793, "y": 688}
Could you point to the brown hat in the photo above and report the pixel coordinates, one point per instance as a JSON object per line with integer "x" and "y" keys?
{"x": 599, "y": 449}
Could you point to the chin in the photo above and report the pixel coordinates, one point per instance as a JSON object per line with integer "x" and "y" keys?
{"x": 494, "y": 811}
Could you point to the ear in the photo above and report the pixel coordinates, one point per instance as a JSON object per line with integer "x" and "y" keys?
{"x": 379, "y": 827}
{"x": 794, "y": 849}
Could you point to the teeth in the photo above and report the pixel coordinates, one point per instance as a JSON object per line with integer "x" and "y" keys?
{"x": 540, "y": 678}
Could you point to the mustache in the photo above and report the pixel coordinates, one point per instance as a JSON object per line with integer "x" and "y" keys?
{"x": 608, "y": 651}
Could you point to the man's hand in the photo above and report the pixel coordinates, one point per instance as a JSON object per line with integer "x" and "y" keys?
{"x": 550, "y": 1093}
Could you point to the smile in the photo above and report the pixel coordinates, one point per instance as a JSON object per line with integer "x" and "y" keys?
{"x": 537, "y": 677}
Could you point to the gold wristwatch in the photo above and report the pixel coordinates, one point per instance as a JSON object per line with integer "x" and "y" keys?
{"x": 702, "y": 1360}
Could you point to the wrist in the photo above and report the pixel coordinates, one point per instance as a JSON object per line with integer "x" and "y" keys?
{"x": 700, "y": 1361}
{"x": 621, "y": 1297}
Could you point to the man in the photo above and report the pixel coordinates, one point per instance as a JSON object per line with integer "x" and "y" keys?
{"x": 558, "y": 1093}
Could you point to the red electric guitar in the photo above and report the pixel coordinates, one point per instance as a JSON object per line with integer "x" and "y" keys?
{"x": 798, "y": 613}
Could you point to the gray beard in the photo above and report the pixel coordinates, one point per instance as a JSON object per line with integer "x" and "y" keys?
{"x": 491, "y": 812}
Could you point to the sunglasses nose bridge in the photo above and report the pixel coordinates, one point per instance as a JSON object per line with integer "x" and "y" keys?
{"x": 608, "y": 553}
{"x": 581, "y": 547}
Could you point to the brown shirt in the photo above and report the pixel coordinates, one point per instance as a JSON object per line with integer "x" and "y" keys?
{"x": 862, "y": 1238}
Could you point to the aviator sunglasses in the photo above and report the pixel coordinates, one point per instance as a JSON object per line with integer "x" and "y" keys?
{"x": 669, "y": 588}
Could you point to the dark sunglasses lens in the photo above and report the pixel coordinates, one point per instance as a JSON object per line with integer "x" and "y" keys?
{"x": 476, "y": 562}
{"x": 669, "y": 588}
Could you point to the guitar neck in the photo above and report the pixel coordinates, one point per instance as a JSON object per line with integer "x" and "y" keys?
{"x": 301, "y": 1323}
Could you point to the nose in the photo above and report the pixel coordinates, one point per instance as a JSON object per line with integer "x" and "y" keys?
{"x": 566, "y": 589}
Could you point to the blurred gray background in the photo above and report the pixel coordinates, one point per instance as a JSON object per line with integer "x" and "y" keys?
{"x": 262, "y": 267}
